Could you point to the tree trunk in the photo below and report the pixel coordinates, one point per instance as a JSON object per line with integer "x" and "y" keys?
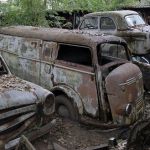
{"x": 45, "y": 3}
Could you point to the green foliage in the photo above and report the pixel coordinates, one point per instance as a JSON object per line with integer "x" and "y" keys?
{"x": 32, "y": 12}
{"x": 24, "y": 12}
{"x": 54, "y": 20}
{"x": 90, "y": 5}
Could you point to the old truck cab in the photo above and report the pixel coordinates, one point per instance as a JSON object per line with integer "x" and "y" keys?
{"x": 89, "y": 85}
{"x": 131, "y": 27}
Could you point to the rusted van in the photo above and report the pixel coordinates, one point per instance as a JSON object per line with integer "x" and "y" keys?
{"x": 89, "y": 86}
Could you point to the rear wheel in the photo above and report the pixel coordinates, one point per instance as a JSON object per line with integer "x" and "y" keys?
{"x": 65, "y": 108}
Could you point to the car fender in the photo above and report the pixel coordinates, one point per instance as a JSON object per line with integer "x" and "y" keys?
{"x": 72, "y": 94}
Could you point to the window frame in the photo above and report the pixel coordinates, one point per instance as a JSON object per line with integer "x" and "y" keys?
{"x": 72, "y": 63}
{"x": 128, "y": 55}
{"x": 83, "y": 21}
{"x": 110, "y": 19}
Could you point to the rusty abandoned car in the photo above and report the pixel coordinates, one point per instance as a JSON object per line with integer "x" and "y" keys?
{"x": 22, "y": 104}
{"x": 123, "y": 23}
{"x": 131, "y": 27}
{"x": 88, "y": 86}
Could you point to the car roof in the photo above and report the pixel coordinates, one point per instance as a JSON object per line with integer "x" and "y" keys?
{"x": 121, "y": 13}
{"x": 60, "y": 35}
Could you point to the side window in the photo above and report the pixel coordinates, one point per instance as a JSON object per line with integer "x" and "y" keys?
{"x": 107, "y": 24}
{"x": 75, "y": 54}
{"x": 90, "y": 23}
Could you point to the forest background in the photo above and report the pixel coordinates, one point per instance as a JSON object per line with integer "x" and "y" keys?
{"x": 34, "y": 12}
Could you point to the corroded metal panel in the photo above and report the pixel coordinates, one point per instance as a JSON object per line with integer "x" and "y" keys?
{"x": 25, "y": 47}
{"x": 46, "y": 75}
{"x": 82, "y": 81}
{"x": 10, "y": 43}
{"x": 28, "y": 50}
{"x": 30, "y": 71}
{"x": 49, "y": 51}
{"x": 53, "y": 34}
{"x": 124, "y": 86}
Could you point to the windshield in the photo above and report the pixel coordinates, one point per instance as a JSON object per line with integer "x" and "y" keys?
{"x": 134, "y": 20}
{"x": 109, "y": 50}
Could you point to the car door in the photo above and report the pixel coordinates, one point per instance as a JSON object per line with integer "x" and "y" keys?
{"x": 74, "y": 68}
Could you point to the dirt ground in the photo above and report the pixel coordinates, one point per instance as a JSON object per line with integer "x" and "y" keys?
{"x": 69, "y": 135}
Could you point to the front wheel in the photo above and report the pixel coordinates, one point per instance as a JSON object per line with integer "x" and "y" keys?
{"x": 65, "y": 108}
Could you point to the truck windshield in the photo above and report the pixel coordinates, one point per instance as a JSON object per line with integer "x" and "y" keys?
{"x": 109, "y": 51}
{"x": 134, "y": 20}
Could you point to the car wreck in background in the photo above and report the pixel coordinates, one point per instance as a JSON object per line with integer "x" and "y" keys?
{"x": 89, "y": 86}
{"x": 130, "y": 26}
{"x": 124, "y": 23}
{"x": 22, "y": 105}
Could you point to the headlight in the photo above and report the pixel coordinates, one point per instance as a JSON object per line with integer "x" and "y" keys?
{"x": 49, "y": 105}
{"x": 128, "y": 109}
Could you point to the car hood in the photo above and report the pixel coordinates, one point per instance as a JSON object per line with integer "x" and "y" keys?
{"x": 15, "y": 92}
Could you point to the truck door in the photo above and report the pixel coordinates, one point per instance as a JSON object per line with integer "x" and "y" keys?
{"x": 73, "y": 68}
